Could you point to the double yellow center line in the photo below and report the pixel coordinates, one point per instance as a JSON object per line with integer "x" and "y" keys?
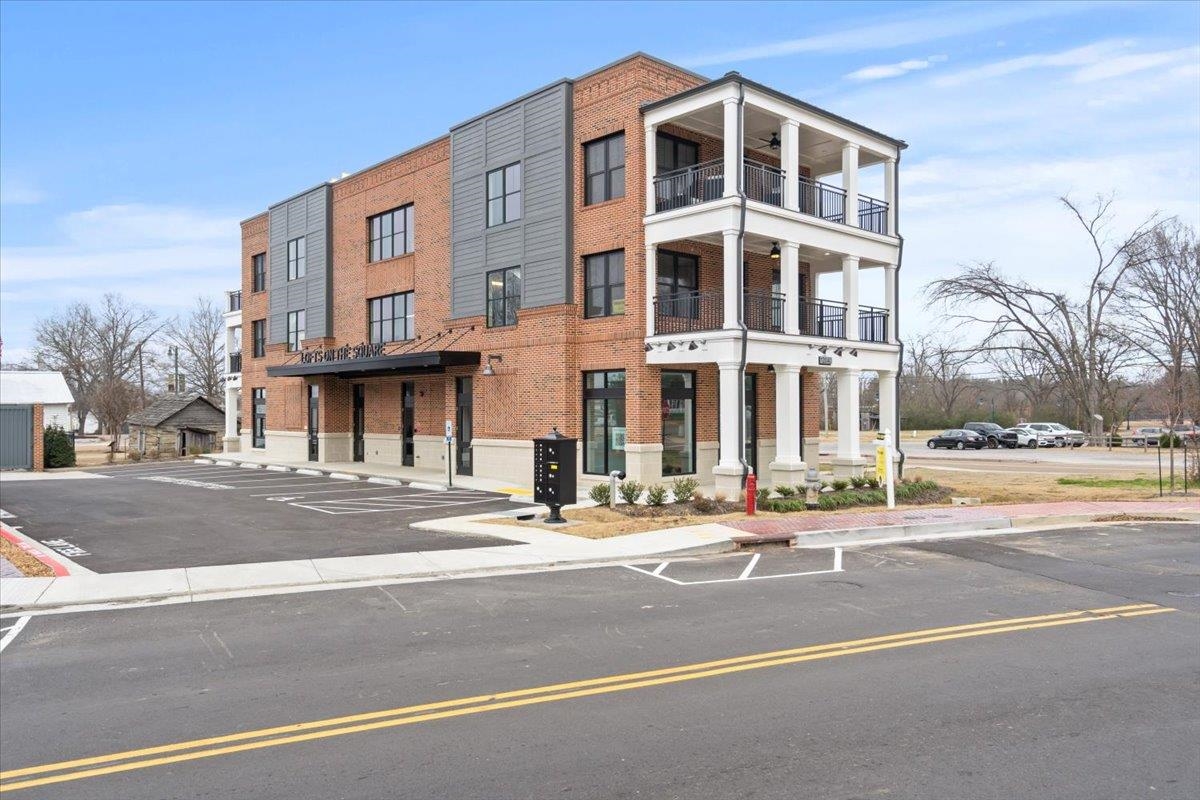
{"x": 194, "y": 749}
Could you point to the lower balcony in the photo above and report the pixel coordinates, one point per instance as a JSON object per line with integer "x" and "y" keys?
{"x": 697, "y": 312}
{"x": 235, "y": 363}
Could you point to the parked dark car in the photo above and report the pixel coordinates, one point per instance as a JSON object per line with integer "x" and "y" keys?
{"x": 989, "y": 430}
{"x": 957, "y": 439}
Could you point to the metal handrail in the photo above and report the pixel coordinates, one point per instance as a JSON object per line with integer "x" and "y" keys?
{"x": 688, "y": 186}
{"x": 872, "y": 324}
{"x": 824, "y": 318}
{"x": 235, "y": 300}
{"x": 763, "y": 182}
{"x": 235, "y": 362}
{"x": 763, "y": 310}
{"x": 872, "y": 214}
{"x": 822, "y": 200}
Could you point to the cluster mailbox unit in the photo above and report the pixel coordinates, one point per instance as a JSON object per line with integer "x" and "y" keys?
{"x": 554, "y": 473}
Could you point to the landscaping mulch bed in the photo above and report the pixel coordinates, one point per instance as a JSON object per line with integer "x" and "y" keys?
{"x": 30, "y": 567}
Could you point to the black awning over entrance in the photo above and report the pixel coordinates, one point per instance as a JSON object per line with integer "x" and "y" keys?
{"x": 426, "y": 362}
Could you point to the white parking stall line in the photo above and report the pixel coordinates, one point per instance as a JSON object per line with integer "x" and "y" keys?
{"x": 746, "y": 575}
{"x": 354, "y": 507}
{"x": 421, "y": 497}
{"x": 164, "y": 470}
{"x": 11, "y": 632}
{"x": 290, "y": 487}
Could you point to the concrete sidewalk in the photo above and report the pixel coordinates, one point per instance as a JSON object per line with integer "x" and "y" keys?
{"x": 545, "y": 549}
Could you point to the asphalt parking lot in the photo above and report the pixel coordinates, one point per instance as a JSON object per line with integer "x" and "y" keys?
{"x": 190, "y": 515}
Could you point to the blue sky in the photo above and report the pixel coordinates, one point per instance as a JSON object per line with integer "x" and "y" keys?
{"x": 134, "y": 137}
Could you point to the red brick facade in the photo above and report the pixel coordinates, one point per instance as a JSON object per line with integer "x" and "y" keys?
{"x": 538, "y": 378}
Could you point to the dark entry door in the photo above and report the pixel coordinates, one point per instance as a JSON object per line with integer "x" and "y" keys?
{"x": 751, "y": 421}
{"x": 463, "y": 399}
{"x": 360, "y": 414}
{"x": 408, "y": 423}
{"x": 314, "y": 408}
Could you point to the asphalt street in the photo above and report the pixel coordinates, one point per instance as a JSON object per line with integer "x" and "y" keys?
{"x": 183, "y": 515}
{"x": 979, "y": 678}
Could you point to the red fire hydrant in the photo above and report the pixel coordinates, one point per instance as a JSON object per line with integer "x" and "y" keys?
{"x": 751, "y": 493}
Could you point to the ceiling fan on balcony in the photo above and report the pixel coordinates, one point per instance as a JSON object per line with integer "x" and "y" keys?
{"x": 772, "y": 143}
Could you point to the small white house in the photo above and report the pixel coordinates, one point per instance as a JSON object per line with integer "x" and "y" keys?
{"x": 39, "y": 387}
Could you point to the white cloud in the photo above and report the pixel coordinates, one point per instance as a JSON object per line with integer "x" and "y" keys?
{"x": 1107, "y": 69}
{"x": 1075, "y": 57}
{"x": 881, "y": 71}
{"x": 16, "y": 192}
{"x": 927, "y": 26}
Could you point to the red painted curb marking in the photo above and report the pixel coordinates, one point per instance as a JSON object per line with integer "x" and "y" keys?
{"x": 59, "y": 570}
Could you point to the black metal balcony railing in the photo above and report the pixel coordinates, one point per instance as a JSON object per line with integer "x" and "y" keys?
{"x": 763, "y": 310}
{"x": 235, "y": 300}
{"x": 704, "y": 182}
{"x": 825, "y": 318}
{"x": 235, "y": 362}
{"x": 872, "y": 324}
{"x": 872, "y": 214}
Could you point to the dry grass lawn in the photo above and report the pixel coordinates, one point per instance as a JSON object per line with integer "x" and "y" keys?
{"x": 1040, "y": 486}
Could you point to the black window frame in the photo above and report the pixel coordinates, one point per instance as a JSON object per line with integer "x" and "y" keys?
{"x": 605, "y": 393}
{"x": 296, "y": 333}
{"x": 505, "y": 300}
{"x": 376, "y": 304}
{"x": 675, "y": 303}
{"x": 376, "y": 238}
{"x": 297, "y": 261}
{"x": 258, "y": 417}
{"x": 506, "y": 192}
{"x": 675, "y": 142}
{"x": 611, "y": 185}
{"x": 605, "y": 262}
{"x": 679, "y": 393}
{"x": 258, "y": 338}
{"x": 258, "y": 272}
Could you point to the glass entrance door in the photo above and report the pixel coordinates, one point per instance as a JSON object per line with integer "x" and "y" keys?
{"x": 314, "y": 409}
{"x": 359, "y": 422}
{"x": 463, "y": 424}
{"x": 408, "y": 423}
{"x": 751, "y": 421}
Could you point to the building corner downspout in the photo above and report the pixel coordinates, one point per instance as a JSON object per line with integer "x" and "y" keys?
{"x": 741, "y": 274}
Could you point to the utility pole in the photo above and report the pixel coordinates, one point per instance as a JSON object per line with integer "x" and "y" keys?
{"x": 174, "y": 352}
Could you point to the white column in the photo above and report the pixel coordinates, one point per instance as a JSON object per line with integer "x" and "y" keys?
{"x": 731, "y": 269}
{"x": 889, "y": 194}
{"x": 231, "y": 410}
{"x": 651, "y": 285}
{"x": 850, "y": 295}
{"x": 789, "y": 283}
{"x": 733, "y": 156}
{"x": 728, "y": 471}
{"x": 889, "y": 299}
{"x": 789, "y": 138}
{"x": 849, "y": 451}
{"x": 887, "y": 402}
{"x": 788, "y": 466}
{"x": 651, "y": 166}
{"x": 850, "y": 181}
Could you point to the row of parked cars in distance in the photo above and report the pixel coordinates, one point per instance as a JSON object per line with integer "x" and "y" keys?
{"x": 978, "y": 435}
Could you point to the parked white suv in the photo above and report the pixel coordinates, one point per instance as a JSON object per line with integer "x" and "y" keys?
{"x": 1041, "y": 435}
{"x": 1068, "y": 436}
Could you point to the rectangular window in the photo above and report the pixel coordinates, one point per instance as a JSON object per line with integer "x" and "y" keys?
{"x": 604, "y": 277}
{"x": 258, "y": 427}
{"x": 677, "y": 284}
{"x": 674, "y": 153}
{"x": 295, "y": 333}
{"x": 603, "y": 422}
{"x": 258, "y": 272}
{"x": 391, "y": 317}
{"x": 604, "y": 168}
{"x": 391, "y": 233}
{"x": 503, "y": 296}
{"x": 504, "y": 195}
{"x": 297, "y": 258}
{"x": 258, "y": 338}
{"x": 679, "y": 423}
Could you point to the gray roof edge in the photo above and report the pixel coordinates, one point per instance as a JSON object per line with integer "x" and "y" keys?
{"x": 648, "y": 57}
{"x": 736, "y": 77}
{"x": 513, "y": 102}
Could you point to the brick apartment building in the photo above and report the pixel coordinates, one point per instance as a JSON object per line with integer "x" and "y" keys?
{"x": 632, "y": 256}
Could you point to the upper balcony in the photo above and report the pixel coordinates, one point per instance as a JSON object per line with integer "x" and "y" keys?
{"x": 234, "y": 300}
{"x": 807, "y": 176}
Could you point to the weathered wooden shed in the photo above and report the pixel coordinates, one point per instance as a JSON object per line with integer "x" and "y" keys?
{"x": 176, "y": 424}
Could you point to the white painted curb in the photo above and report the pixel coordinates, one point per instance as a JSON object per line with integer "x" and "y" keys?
{"x": 343, "y": 476}
{"x": 248, "y": 465}
{"x": 433, "y": 487}
{"x": 204, "y": 461}
{"x": 307, "y": 471}
{"x": 385, "y": 481}
{"x": 224, "y": 463}
{"x": 278, "y": 468}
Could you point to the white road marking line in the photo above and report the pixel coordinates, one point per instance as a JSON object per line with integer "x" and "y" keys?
{"x": 289, "y": 487}
{"x": 415, "y": 506}
{"x": 11, "y": 632}
{"x": 745, "y": 576}
{"x": 750, "y": 567}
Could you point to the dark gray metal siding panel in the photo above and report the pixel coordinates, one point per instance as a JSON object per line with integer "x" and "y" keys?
{"x": 536, "y": 132}
{"x": 309, "y": 216}
{"x": 16, "y": 437}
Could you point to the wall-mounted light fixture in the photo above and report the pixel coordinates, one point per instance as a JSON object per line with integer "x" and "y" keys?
{"x": 854, "y": 353}
{"x": 822, "y": 349}
{"x": 775, "y": 250}
{"x": 487, "y": 368}
{"x": 693, "y": 346}
{"x": 837, "y": 352}
{"x": 648, "y": 347}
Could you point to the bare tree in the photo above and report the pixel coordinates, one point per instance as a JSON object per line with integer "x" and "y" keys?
{"x": 1027, "y": 373}
{"x": 1076, "y": 337}
{"x": 940, "y": 369}
{"x": 1155, "y": 298}
{"x": 200, "y": 337}
{"x": 66, "y": 342}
